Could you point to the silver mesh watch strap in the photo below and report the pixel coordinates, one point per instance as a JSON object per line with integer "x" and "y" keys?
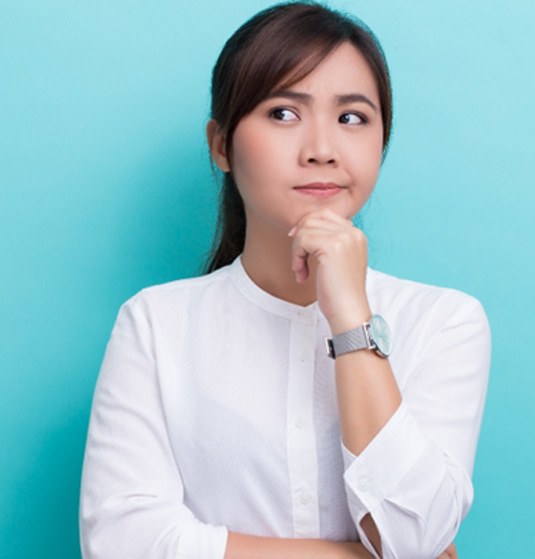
{"x": 349, "y": 341}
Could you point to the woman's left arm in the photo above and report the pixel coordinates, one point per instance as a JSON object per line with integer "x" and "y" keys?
{"x": 407, "y": 461}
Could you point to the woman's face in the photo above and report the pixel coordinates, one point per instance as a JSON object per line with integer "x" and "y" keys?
{"x": 317, "y": 144}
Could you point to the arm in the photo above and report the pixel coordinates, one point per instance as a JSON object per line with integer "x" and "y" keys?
{"x": 131, "y": 497}
{"x": 132, "y": 492}
{"x": 367, "y": 391}
{"x": 241, "y": 546}
{"x": 407, "y": 461}
{"x": 425, "y": 491}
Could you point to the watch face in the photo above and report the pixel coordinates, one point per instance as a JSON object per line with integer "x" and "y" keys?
{"x": 380, "y": 335}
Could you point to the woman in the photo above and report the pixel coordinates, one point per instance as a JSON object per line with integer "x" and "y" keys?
{"x": 221, "y": 427}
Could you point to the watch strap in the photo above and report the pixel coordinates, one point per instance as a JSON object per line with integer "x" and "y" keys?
{"x": 351, "y": 340}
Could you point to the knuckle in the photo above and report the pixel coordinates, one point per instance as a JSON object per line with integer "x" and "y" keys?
{"x": 338, "y": 246}
{"x": 359, "y": 236}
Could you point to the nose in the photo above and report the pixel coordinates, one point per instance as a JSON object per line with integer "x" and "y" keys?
{"x": 319, "y": 146}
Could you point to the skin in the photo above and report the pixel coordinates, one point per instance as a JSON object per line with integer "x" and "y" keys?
{"x": 301, "y": 245}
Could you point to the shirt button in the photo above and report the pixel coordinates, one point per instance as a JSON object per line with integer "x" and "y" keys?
{"x": 299, "y": 422}
{"x": 304, "y": 499}
{"x": 305, "y": 316}
{"x": 302, "y": 355}
{"x": 364, "y": 483}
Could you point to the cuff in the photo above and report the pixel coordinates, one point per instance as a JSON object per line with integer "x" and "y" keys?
{"x": 379, "y": 468}
{"x": 202, "y": 541}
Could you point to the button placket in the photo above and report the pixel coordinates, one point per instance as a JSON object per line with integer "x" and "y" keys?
{"x": 304, "y": 499}
{"x": 302, "y": 355}
{"x": 302, "y": 456}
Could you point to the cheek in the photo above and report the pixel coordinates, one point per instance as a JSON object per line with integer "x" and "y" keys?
{"x": 376, "y": 159}
{"x": 375, "y": 154}
{"x": 250, "y": 151}
{"x": 366, "y": 161}
{"x": 248, "y": 165}
{"x": 372, "y": 177}
{"x": 259, "y": 162}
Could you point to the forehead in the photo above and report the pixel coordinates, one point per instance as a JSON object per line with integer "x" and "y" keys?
{"x": 345, "y": 66}
{"x": 344, "y": 70}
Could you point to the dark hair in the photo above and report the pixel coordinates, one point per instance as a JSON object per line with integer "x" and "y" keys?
{"x": 278, "y": 47}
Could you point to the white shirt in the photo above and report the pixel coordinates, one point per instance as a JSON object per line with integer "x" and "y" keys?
{"x": 216, "y": 410}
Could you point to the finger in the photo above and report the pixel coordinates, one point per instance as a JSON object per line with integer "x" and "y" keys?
{"x": 321, "y": 224}
{"x": 324, "y": 216}
{"x": 313, "y": 233}
{"x": 300, "y": 264}
{"x": 328, "y": 218}
{"x": 328, "y": 215}
{"x": 305, "y": 246}
{"x": 315, "y": 242}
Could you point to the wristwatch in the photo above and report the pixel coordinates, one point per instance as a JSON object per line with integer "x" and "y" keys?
{"x": 374, "y": 334}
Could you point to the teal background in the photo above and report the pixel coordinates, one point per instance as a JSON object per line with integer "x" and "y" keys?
{"x": 105, "y": 188}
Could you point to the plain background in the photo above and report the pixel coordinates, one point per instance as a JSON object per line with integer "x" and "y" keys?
{"x": 105, "y": 188}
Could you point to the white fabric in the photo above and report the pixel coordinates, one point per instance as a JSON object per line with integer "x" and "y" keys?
{"x": 215, "y": 410}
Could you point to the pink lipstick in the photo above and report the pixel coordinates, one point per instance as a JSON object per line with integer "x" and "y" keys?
{"x": 319, "y": 189}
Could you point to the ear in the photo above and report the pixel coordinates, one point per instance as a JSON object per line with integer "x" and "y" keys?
{"x": 216, "y": 143}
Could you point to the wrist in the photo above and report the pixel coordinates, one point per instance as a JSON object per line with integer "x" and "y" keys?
{"x": 351, "y": 317}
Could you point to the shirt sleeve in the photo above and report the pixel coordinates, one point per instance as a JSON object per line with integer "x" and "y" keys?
{"x": 131, "y": 502}
{"x": 414, "y": 477}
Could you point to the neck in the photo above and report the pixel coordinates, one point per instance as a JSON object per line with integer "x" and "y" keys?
{"x": 267, "y": 260}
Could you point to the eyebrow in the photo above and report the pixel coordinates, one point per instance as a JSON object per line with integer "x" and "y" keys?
{"x": 306, "y": 98}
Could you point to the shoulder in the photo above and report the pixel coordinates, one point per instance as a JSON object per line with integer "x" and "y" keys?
{"x": 419, "y": 307}
{"x": 403, "y": 293}
{"x": 175, "y": 297}
{"x": 438, "y": 332}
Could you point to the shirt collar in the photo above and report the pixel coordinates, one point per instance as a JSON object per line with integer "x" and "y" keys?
{"x": 268, "y": 302}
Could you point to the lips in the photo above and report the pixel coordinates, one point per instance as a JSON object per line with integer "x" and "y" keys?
{"x": 320, "y": 189}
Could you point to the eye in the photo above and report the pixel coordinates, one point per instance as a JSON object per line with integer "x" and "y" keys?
{"x": 281, "y": 113}
{"x": 352, "y": 118}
